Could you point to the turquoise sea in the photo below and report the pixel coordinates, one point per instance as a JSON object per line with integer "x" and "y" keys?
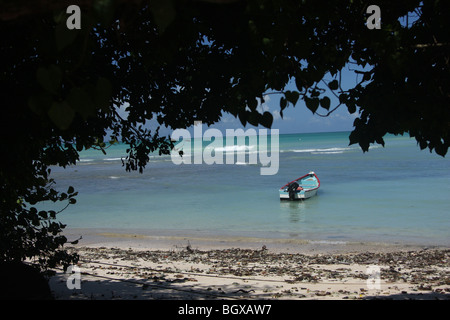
{"x": 393, "y": 194}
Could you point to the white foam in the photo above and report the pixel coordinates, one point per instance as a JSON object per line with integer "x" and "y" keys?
{"x": 326, "y": 150}
{"x": 234, "y": 148}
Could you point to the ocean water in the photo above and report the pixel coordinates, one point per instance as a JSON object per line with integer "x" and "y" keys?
{"x": 393, "y": 194}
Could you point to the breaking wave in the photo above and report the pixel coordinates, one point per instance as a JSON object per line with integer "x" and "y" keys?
{"x": 234, "y": 148}
{"x": 322, "y": 151}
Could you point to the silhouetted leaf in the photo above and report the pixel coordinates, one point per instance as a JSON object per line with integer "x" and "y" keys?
{"x": 333, "y": 85}
{"x": 283, "y": 103}
{"x": 64, "y": 37}
{"x": 80, "y": 101}
{"x": 103, "y": 93}
{"x": 312, "y": 104}
{"x": 61, "y": 114}
{"x": 163, "y": 13}
{"x": 325, "y": 103}
{"x": 49, "y": 78}
{"x": 292, "y": 96}
{"x": 267, "y": 119}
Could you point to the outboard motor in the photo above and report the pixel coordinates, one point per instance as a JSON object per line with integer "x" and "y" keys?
{"x": 292, "y": 189}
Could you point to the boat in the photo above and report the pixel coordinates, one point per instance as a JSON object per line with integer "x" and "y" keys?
{"x": 302, "y": 188}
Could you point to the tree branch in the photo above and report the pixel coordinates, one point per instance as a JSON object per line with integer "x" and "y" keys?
{"x": 329, "y": 112}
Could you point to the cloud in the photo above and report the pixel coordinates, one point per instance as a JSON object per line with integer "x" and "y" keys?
{"x": 263, "y": 107}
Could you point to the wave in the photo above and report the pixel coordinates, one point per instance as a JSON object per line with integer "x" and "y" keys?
{"x": 234, "y": 148}
{"x": 320, "y": 151}
{"x": 93, "y": 161}
{"x": 335, "y": 150}
{"x": 328, "y": 152}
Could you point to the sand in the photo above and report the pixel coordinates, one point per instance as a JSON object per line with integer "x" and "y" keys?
{"x": 140, "y": 266}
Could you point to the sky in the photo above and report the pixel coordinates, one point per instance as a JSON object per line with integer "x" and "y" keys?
{"x": 298, "y": 119}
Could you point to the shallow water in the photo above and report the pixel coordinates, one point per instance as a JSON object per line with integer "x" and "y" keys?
{"x": 392, "y": 194}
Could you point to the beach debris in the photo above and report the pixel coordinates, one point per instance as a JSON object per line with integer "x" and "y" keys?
{"x": 189, "y": 248}
{"x": 258, "y": 273}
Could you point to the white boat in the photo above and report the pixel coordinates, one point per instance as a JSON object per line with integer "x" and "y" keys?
{"x": 302, "y": 188}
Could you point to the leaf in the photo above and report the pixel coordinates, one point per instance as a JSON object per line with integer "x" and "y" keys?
{"x": 266, "y": 41}
{"x": 315, "y": 93}
{"x": 423, "y": 144}
{"x": 343, "y": 97}
{"x": 292, "y": 96}
{"x": 441, "y": 149}
{"x": 299, "y": 83}
{"x": 283, "y": 103}
{"x": 243, "y": 117}
{"x": 351, "y": 107}
{"x": 81, "y": 102}
{"x": 267, "y": 119}
{"x": 367, "y": 76}
{"x": 252, "y": 104}
{"x": 49, "y": 78}
{"x": 64, "y": 37}
{"x": 104, "y": 11}
{"x": 253, "y": 118}
{"x": 325, "y": 103}
{"x": 43, "y": 214}
{"x": 333, "y": 85}
{"x": 39, "y": 103}
{"x": 312, "y": 104}
{"x": 52, "y": 214}
{"x": 103, "y": 93}
{"x": 163, "y": 12}
{"x": 70, "y": 190}
{"x": 61, "y": 114}
{"x": 380, "y": 140}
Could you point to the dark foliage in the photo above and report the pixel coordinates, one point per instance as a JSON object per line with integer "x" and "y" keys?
{"x": 179, "y": 61}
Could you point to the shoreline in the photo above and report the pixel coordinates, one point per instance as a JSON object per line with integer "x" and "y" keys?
{"x": 140, "y": 266}
{"x": 176, "y": 239}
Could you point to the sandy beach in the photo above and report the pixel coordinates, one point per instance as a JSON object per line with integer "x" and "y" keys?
{"x": 128, "y": 266}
